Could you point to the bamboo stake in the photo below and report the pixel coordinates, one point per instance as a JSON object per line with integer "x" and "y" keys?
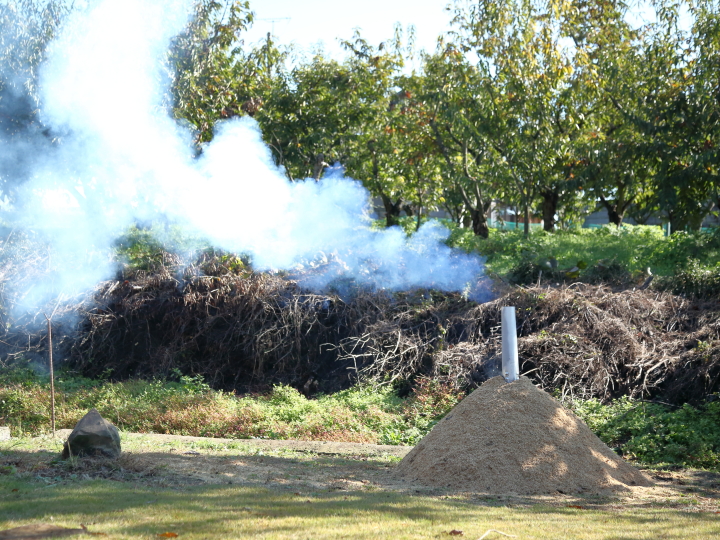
{"x": 52, "y": 375}
{"x": 50, "y": 361}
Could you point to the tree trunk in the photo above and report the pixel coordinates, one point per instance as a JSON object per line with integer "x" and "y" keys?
{"x": 676, "y": 223}
{"x": 392, "y": 210}
{"x": 479, "y": 223}
{"x": 527, "y": 220}
{"x": 319, "y": 166}
{"x": 549, "y": 206}
{"x": 615, "y": 217}
{"x": 616, "y": 210}
{"x": 641, "y": 216}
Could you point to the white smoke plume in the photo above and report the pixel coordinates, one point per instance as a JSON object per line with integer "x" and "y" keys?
{"x": 122, "y": 159}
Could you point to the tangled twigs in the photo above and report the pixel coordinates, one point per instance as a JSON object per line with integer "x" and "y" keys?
{"x": 246, "y": 331}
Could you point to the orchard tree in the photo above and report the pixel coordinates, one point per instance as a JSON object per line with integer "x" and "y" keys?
{"x": 668, "y": 96}
{"x": 669, "y": 116}
{"x": 387, "y": 152}
{"x": 459, "y": 117}
{"x": 530, "y": 100}
{"x": 216, "y": 75}
{"x": 352, "y": 112}
{"x": 609, "y": 162}
{"x": 308, "y": 117}
{"x": 414, "y": 159}
{"x": 688, "y": 126}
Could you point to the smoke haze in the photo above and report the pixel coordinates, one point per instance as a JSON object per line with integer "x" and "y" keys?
{"x": 122, "y": 159}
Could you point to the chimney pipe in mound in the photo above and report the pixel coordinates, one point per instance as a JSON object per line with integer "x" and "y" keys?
{"x": 510, "y": 367}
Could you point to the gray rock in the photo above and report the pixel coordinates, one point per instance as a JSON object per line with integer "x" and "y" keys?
{"x": 4, "y": 433}
{"x": 93, "y": 436}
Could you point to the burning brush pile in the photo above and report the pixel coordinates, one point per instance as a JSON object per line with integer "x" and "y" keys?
{"x": 114, "y": 168}
{"x": 245, "y": 331}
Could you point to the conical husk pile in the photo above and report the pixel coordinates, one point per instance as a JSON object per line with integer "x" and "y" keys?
{"x": 512, "y": 438}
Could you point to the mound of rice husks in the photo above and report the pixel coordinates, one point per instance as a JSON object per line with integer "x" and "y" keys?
{"x": 514, "y": 438}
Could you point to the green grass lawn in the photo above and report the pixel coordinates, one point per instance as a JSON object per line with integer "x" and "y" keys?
{"x": 129, "y": 511}
{"x": 634, "y": 247}
{"x": 39, "y": 490}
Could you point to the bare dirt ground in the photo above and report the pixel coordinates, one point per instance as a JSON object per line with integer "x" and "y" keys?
{"x": 305, "y": 467}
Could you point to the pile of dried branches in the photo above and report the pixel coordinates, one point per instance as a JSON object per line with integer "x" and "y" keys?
{"x": 246, "y": 331}
{"x": 239, "y": 332}
{"x": 582, "y": 341}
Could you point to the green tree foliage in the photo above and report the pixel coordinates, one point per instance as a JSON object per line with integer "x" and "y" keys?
{"x": 608, "y": 165}
{"x": 527, "y": 94}
{"x": 687, "y": 129}
{"x": 555, "y": 107}
{"x": 312, "y": 114}
{"x": 459, "y": 118}
{"x": 394, "y": 154}
{"x": 358, "y": 112}
{"x": 216, "y": 75}
{"x": 663, "y": 86}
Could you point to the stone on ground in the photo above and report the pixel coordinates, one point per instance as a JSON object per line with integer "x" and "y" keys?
{"x": 4, "y": 433}
{"x": 93, "y": 436}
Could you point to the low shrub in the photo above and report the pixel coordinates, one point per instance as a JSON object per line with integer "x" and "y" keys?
{"x": 693, "y": 279}
{"x": 657, "y": 435}
{"x": 678, "y": 251}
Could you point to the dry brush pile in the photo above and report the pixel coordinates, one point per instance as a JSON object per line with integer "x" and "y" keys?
{"x": 246, "y": 331}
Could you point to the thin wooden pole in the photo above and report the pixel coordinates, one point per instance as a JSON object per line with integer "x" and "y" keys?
{"x": 52, "y": 376}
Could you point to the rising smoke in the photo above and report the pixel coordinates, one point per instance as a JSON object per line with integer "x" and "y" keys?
{"x": 122, "y": 159}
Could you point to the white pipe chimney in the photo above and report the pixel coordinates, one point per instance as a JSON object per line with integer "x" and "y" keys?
{"x": 510, "y": 366}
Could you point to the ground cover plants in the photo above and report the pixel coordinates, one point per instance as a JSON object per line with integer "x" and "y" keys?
{"x": 685, "y": 262}
{"x": 190, "y": 407}
{"x": 649, "y": 434}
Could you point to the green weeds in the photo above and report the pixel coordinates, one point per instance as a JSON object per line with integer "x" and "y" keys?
{"x": 649, "y": 433}
{"x": 686, "y": 262}
{"x": 190, "y": 407}
{"x": 657, "y": 435}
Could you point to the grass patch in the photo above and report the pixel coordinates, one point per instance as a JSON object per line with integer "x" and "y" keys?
{"x": 633, "y": 246}
{"x": 607, "y": 254}
{"x": 363, "y": 414}
{"x": 650, "y": 434}
{"x": 142, "y": 506}
{"x": 125, "y": 511}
